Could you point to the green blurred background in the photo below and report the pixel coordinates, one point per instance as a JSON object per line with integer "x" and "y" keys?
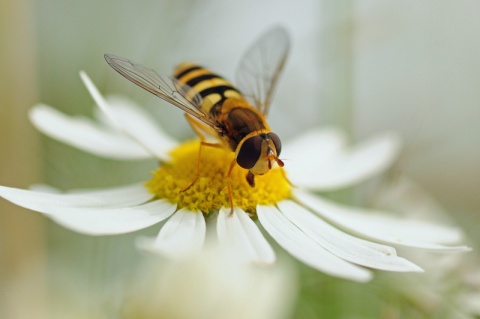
{"x": 367, "y": 66}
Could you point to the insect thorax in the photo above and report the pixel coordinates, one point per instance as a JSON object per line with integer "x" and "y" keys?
{"x": 240, "y": 119}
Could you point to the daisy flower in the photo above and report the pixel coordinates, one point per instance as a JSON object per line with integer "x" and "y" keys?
{"x": 333, "y": 238}
{"x": 451, "y": 286}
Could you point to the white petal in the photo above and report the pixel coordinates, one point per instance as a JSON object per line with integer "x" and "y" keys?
{"x": 133, "y": 122}
{"x": 297, "y": 243}
{"x": 84, "y": 134}
{"x": 122, "y": 196}
{"x": 239, "y": 235}
{"x": 347, "y": 168}
{"x": 44, "y": 188}
{"x": 182, "y": 236}
{"x": 49, "y": 203}
{"x": 380, "y": 226}
{"x": 342, "y": 245}
{"x": 94, "y": 221}
{"x": 145, "y": 127}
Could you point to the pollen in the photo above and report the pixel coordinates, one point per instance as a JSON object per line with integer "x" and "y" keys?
{"x": 209, "y": 193}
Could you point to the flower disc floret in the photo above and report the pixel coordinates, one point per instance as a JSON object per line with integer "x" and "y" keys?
{"x": 210, "y": 192}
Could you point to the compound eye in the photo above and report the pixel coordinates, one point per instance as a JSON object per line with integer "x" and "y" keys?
{"x": 276, "y": 141}
{"x": 250, "y": 152}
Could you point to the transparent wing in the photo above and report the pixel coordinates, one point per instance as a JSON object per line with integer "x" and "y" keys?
{"x": 165, "y": 87}
{"x": 261, "y": 66}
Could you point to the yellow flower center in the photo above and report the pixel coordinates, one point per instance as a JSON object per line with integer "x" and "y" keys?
{"x": 210, "y": 191}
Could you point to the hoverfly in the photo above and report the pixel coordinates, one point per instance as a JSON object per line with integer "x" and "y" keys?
{"x": 235, "y": 116}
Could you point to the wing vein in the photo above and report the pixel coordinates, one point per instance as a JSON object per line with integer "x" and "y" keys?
{"x": 165, "y": 87}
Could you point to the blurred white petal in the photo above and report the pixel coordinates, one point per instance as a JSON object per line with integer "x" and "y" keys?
{"x": 342, "y": 245}
{"x": 93, "y": 221}
{"x": 133, "y": 122}
{"x": 302, "y": 247}
{"x": 239, "y": 235}
{"x": 182, "y": 236}
{"x": 470, "y": 302}
{"x": 84, "y": 134}
{"x": 53, "y": 203}
{"x": 346, "y": 168}
{"x": 381, "y": 226}
{"x": 313, "y": 147}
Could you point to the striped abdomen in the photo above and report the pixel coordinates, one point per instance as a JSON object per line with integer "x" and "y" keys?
{"x": 213, "y": 88}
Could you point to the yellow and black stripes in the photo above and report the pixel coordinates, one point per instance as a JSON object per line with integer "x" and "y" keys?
{"x": 212, "y": 88}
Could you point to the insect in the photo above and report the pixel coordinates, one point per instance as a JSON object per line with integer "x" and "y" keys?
{"x": 235, "y": 116}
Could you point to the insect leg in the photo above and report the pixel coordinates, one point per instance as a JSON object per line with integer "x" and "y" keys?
{"x": 229, "y": 187}
{"x": 200, "y": 129}
{"x": 251, "y": 179}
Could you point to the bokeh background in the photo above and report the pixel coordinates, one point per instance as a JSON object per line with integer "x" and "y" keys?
{"x": 366, "y": 66}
